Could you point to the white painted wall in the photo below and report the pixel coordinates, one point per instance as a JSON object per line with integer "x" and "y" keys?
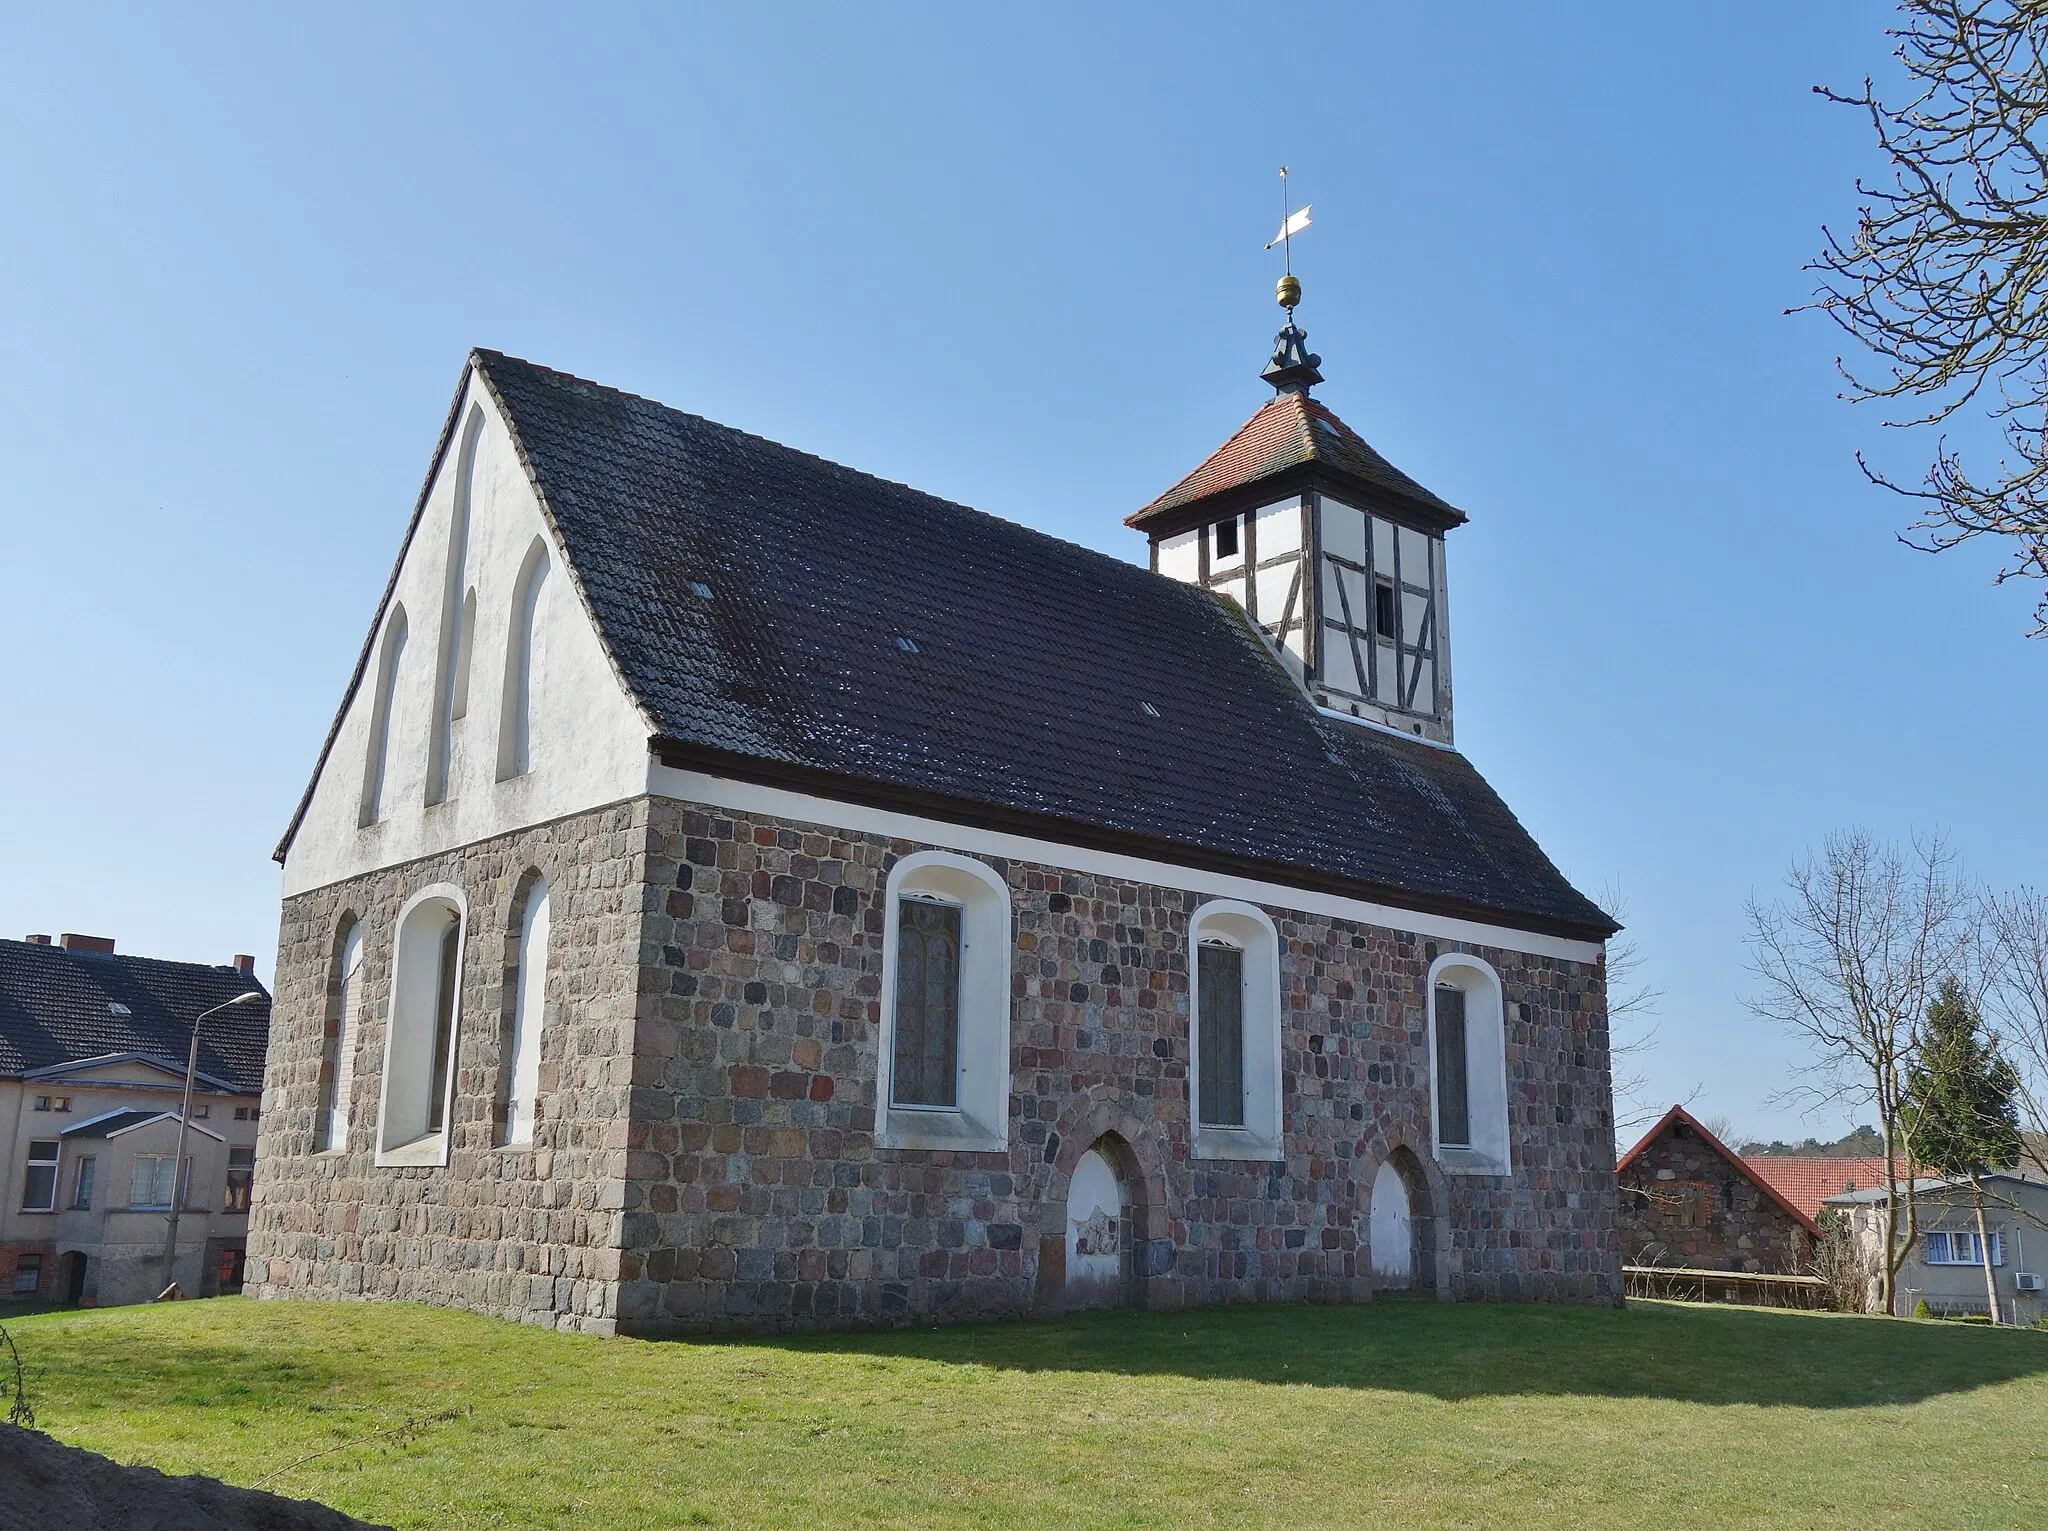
{"x": 588, "y": 736}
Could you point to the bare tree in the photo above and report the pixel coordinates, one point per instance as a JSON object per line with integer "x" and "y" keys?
{"x": 1848, "y": 962}
{"x": 1631, "y": 1032}
{"x": 1945, "y": 280}
{"x": 2015, "y": 991}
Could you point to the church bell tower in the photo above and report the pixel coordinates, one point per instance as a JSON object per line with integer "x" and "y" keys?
{"x": 1336, "y": 555}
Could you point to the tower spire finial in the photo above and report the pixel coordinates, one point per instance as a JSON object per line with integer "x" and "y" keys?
{"x": 1292, "y": 369}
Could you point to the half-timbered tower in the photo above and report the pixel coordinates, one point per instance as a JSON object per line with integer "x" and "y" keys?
{"x": 1334, "y": 552}
{"x": 740, "y": 890}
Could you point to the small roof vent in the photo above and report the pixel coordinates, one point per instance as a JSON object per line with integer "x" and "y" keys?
{"x": 115, "y": 1007}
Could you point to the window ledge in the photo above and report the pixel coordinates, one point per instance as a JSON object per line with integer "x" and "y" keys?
{"x": 954, "y": 1130}
{"x": 1236, "y": 1143}
{"x": 1470, "y": 1161}
{"x": 431, "y": 1150}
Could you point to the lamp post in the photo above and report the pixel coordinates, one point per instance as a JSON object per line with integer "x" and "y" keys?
{"x": 184, "y": 1121}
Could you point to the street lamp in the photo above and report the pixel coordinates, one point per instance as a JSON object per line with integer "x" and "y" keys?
{"x": 184, "y": 1120}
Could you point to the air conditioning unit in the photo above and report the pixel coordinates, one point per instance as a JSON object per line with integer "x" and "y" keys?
{"x": 2026, "y": 1281}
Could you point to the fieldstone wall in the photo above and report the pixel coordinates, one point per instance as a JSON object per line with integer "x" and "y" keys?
{"x": 758, "y": 1195}
{"x": 529, "y": 1233}
{"x": 1682, "y": 1203}
{"x": 707, "y": 1153}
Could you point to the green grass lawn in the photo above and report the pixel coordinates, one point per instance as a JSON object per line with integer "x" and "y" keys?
{"x": 1399, "y": 1414}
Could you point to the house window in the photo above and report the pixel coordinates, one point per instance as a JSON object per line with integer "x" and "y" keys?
{"x": 201, "y": 1112}
{"x": 149, "y": 1188}
{"x": 928, "y": 942}
{"x": 241, "y": 1174}
{"x": 28, "y": 1273}
{"x": 1234, "y": 1050}
{"x": 421, "y": 1034}
{"x": 378, "y": 753}
{"x": 1220, "y": 1033}
{"x": 1453, "y": 1088}
{"x": 529, "y": 1000}
{"x": 1959, "y": 1247}
{"x": 946, "y": 1005}
{"x": 1226, "y": 538}
{"x": 1383, "y": 621}
{"x": 63, "y": 1103}
{"x": 1468, "y": 1053}
{"x": 338, "y": 1045}
{"x": 232, "y": 1269}
{"x": 42, "y": 1102}
{"x": 81, "y": 1184}
{"x": 515, "y": 710}
{"x": 39, "y": 1185}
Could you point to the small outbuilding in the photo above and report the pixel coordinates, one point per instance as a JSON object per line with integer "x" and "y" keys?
{"x": 1688, "y": 1200}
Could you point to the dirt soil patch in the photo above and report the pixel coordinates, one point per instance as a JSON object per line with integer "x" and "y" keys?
{"x": 50, "y": 1484}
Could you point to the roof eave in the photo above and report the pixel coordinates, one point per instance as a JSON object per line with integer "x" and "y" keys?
{"x": 1161, "y": 519}
{"x": 797, "y": 776}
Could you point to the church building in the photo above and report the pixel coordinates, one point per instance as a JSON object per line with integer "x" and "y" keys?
{"x": 740, "y": 891}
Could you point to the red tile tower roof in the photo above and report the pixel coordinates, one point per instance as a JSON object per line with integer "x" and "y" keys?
{"x": 1293, "y": 437}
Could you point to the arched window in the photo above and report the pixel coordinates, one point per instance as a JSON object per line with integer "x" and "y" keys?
{"x": 1234, "y": 1021}
{"x": 945, "y": 1065}
{"x": 1468, "y": 1066}
{"x": 389, "y": 653}
{"x": 337, "y": 1054}
{"x": 453, "y": 660}
{"x": 515, "y": 721}
{"x": 529, "y": 1000}
{"x": 422, "y": 1032}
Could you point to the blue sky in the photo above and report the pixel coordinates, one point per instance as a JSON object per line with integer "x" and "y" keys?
{"x": 1013, "y": 258}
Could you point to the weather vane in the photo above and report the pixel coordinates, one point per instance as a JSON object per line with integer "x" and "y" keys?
{"x": 1289, "y": 290}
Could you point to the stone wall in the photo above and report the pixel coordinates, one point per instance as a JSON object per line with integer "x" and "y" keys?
{"x": 707, "y": 1156}
{"x": 758, "y": 1194}
{"x": 529, "y": 1233}
{"x": 1682, "y": 1203}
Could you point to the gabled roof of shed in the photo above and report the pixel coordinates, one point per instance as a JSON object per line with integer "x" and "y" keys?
{"x": 1741, "y": 1166}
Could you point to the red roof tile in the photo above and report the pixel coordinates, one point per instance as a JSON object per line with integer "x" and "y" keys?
{"x": 1803, "y": 1181}
{"x": 1292, "y": 432}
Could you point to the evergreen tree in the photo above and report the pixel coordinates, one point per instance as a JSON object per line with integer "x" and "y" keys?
{"x": 1960, "y": 1114}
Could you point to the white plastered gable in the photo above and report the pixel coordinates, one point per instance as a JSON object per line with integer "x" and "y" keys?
{"x": 587, "y": 737}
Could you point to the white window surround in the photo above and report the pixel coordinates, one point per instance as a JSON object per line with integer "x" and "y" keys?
{"x": 1250, "y": 929}
{"x": 515, "y": 708}
{"x": 529, "y": 1005}
{"x": 333, "y": 1130}
{"x": 377, "y": 754}
{"x": 1486, "y": 1066}
{"x": 409, "y": 1016}
{"x": 981, "y": 1120}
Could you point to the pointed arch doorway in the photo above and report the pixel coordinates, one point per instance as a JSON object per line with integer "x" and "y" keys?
{"x": 1098, "y": 1232}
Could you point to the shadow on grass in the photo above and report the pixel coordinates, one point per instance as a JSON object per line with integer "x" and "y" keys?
{"x": 1453, "y": 1351}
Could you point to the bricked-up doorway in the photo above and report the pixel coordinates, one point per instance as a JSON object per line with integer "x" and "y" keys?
{"x": 1101, "y": 1233}
{"x": 1399, "y": 1226}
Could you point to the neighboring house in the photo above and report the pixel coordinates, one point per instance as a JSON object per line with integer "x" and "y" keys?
{"x": 1945, "y": 1265}
{"x": 737, "y": 889}
{"x": 93, "y": 1047}
{"x": 1807, "y": 1182}
{"x": 1688, "y": 1200}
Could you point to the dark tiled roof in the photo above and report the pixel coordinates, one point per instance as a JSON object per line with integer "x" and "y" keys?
{"x": 863, "y": 639}
{"x": 57, "y": 1007}
{"x": 1293, "y": 432}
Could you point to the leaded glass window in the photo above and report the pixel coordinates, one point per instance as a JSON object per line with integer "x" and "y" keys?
{"x": 927, "y": 1062}
{"x": 1453, "y": 1093}
{"x": 1220, "y": 992}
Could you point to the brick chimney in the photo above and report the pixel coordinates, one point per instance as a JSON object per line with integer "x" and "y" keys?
{"x": 244, "y": 964}
{"x": 98, "y": 946}
{"x": 38, "y": 940}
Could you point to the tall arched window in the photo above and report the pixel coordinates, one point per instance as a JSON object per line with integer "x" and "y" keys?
{"x": 1234, "y": 1051}
{"x": 452, "y": 661}
{"x": 945, "y": 1064}
{"x": 1468, "y": 1066}
{"x": 423, "y": 1030}
{"x": 389, "y": 653}
{"x": 337, "y": 1054}
{"x": 515, "y": 720}
{"x": 529, "y": 1003}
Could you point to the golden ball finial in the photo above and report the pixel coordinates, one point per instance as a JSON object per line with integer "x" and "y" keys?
{"x": 1289, "y": 291}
